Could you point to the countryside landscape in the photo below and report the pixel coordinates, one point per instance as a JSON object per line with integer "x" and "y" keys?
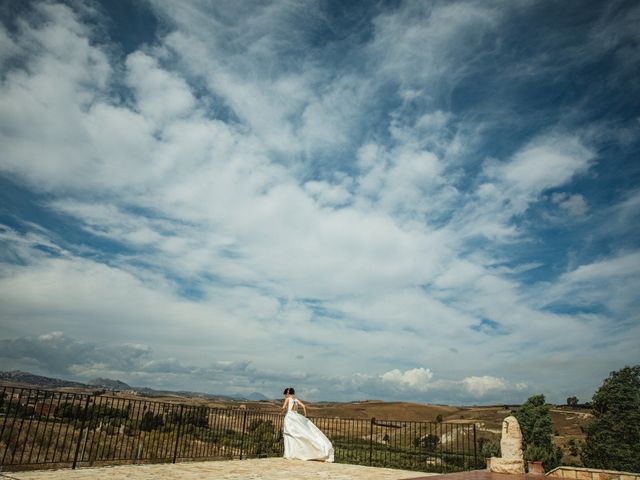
{"x": 568, "y": 420}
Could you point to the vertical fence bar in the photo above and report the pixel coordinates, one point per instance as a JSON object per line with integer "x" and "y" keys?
{"x": 57, "y": 413}
{"x": 175, "y": 449}
{"x": 117, "y": 450}
{"x": 154, "y": 433}
{"x": 44, "y": 429}
{"x": 225, "y": 416}
{"x": 84, "y": 419}
{"x": 162, "y": 441}
{"x": 199, "y": 435}
{"x": 68, "y": 416}
{"x": 216, "y": 431}
{"x": 108, "y": 428}
{"x": 244, "y": 424}
{"x": 124, "y": 428}
{"x": 18, "y": 407}
{"x": 475, "y": 450}
{"x": 160, "y": 433}
{"x": 4, "y": 426}
{"x": 98, "y": 411}
{"x": 183, "y": 446}
{"x": 135, "y": 430}
{"x": 72, "y": 418}
{"x": 373, "y": 421}
{"x": 4, "y": 393}
{"x": 208, "y": 436}
{"x": 31, "y": 417}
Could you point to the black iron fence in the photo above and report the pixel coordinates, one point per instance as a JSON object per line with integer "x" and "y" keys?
{"x": 41, "y": 428}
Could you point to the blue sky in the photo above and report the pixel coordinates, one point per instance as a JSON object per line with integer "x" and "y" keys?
{"x": 428, "y": 201}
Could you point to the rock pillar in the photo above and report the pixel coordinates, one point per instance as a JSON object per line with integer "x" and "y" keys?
{"x": 512, "y": 460}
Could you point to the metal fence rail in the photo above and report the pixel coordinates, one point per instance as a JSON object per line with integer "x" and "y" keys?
{"x": 41, "y": 428}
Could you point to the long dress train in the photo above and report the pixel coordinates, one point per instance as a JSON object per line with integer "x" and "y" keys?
{"x": 302, "y": 439}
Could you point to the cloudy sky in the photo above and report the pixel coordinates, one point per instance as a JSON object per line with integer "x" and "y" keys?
{"x": 430, "y": 201}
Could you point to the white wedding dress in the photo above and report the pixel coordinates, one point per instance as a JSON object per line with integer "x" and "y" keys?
{"x": 302, "y": 439}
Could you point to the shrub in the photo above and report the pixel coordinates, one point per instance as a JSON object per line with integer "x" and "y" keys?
{"x": 573, "y": 447}
{"x": 489, "y": 448}
{"x": 430, "y": 441}
{"x": 535, "y": 423}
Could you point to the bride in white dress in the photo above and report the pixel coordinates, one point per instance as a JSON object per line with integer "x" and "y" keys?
{"x": 302, "y": 439}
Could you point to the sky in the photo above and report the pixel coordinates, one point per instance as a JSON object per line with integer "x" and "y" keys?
{"x": 431, "y": 201}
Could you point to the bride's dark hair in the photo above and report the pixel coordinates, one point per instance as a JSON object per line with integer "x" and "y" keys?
{"x": 289, "y": 390}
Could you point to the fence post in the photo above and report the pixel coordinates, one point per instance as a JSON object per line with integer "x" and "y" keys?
{"x": 175, "y": 448}
{"x": 84, "y": 420}
{"x": 373, "y": 421}
{"x": 244, "y": 423}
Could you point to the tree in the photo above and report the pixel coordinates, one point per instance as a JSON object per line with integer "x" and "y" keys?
{"x": 537, "y": 430}
{"x": 69, "y": 410}
{"x": 196, "y": 416}
{"x": 262, "y": 439}
{"x": 150, "y": 421}
{"x": 613, "y": 437}
{"x": 572, "y": 401}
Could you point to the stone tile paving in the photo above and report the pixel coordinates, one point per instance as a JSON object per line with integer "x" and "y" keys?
{"x": 254, "y": 469}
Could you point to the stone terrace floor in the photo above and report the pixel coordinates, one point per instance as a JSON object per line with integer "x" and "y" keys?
{"x": 254, "y": 469}
{"x": 482, "y": 475}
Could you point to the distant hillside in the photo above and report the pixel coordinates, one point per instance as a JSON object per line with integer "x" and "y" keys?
{"x": 26, "y": 378}
{"x": 150, "y": 392}
{"x": 256, "y": 396}
{"x": 109, "y": 384}
{"x": 18, "y": 376}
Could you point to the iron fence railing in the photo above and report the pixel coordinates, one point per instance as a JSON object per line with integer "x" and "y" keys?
{"x": 43, "y": 428}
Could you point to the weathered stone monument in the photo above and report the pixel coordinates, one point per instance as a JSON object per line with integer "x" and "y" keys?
{"x": 512, "y": 460}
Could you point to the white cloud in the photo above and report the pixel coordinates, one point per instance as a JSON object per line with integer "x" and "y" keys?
{"x": 575, "y": 205}
{"x": 415, "y": 44}
{"x": 417, "y": 378}
{"x": 511, "y": 187}
{"x": 611, "y": 282}
{"x": 136, "y": 364}
{"x": 481, "y": 386}
{"x": 622, "y": 266}
{"x": 620, "y": 219}
{"x": 8, "y": 48}
{"x": 327, "y": 194}
{"x": 547, "y": 161}
{"x": 161, "y": 96}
